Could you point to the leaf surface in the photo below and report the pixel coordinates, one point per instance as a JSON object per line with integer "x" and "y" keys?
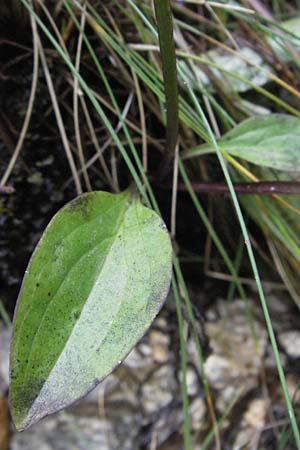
{"x": 95, "y": 282}
{"x": 271, "y": 141}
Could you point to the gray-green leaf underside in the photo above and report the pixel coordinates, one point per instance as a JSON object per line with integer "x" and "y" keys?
{"x": 271, "y": 141}
{"x": 95, "y": 282}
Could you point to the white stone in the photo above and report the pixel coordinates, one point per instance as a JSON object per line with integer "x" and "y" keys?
{"x": 290, "y": 341}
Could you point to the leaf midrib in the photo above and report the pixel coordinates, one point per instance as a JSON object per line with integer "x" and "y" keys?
{"x": 121, "y": 216}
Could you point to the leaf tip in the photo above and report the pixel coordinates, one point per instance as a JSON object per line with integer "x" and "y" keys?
{"x": 25, "y": 420}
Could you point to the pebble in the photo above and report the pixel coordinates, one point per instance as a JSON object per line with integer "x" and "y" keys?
{"x": 198, "y": 412}
{"x": 255, "y": 415}
{"x": 290, "y": 342}
{"x": 235, "y": 362}
{"x": 158, "y": 391}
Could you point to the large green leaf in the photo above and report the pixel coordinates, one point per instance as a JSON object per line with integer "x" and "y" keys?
{"x": 96, "y": 280}
{"x": 272, "y": 141}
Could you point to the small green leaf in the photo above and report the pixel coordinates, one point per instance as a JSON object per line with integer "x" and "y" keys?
{"x": 95, "y": 282}
{"x": 271, "y": 141}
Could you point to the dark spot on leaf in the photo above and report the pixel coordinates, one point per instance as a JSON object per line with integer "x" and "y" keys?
{"x": 76, "y": 315}
{"x": 95, "y": 382}
{"x": 37, "y": 285}
{"x": 80, "y": 204}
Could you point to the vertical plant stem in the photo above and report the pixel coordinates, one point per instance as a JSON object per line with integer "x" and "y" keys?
{"x": 183, "y": 360}
{"x": 174, "y": 193}
{"x": 192, "y": 321}
{"x": 168, "y": 60}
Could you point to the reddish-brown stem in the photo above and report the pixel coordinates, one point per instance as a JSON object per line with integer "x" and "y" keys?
{"x": 260, "y": 187}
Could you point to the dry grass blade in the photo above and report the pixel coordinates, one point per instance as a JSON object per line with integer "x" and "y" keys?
{"x": 76, "y": 94}
{"x": 29, "y": 109}
{"x": 59, "y": 120}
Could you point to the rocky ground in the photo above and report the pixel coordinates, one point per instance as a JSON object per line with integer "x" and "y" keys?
{"x": 139, "y": 406}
